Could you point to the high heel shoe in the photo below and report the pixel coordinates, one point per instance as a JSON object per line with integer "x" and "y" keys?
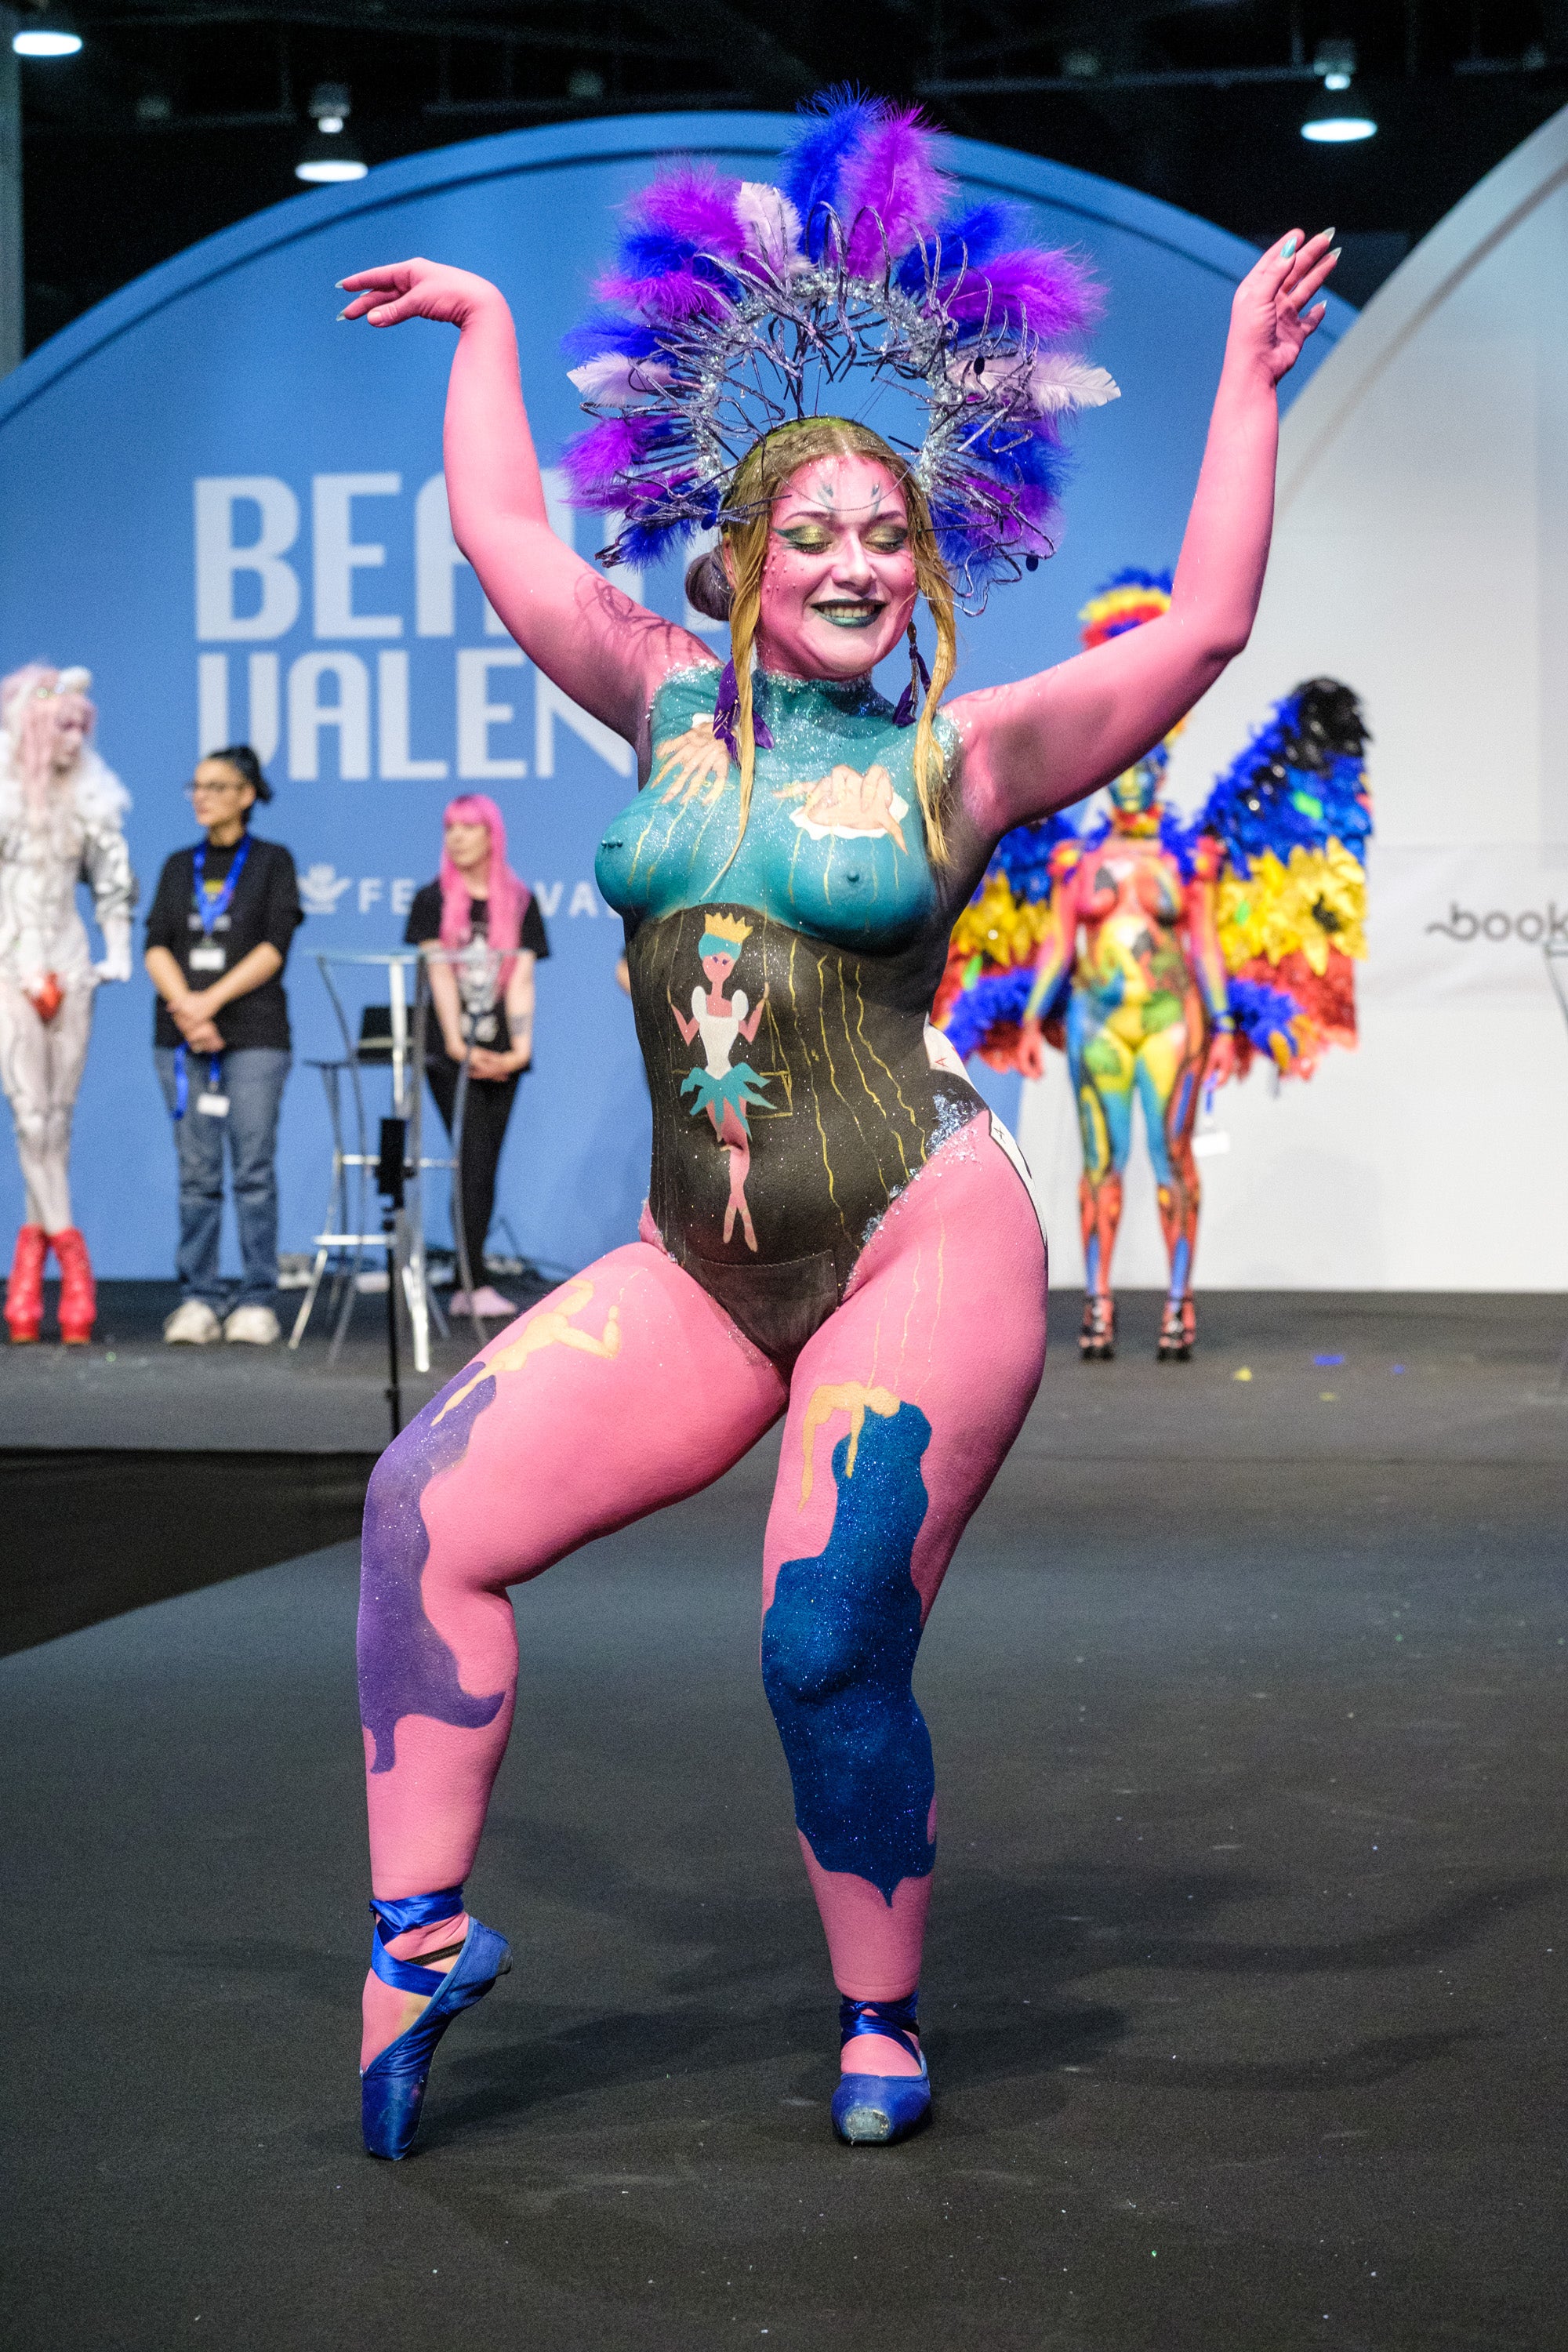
{"x": 881, "y": 2108}
{"x": 393, "y": 2085}
{"x": 24, "y": 1290}
{"x": 79, "y": 1293}
{"x": 1096, "y": 1338}
{"x": 1178, "y": 1332}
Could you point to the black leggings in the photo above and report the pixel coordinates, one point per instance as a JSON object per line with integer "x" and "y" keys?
{"x": 486, "y": 1111}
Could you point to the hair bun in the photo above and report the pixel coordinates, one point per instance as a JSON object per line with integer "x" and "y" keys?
{"x": 708, "y": 585}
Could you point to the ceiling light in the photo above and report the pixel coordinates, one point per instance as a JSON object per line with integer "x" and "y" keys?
{"x": 1334, "y": 64}
{"x": 50, "y": 36}
{"x": 1338, "y": 130}
{"x": 329, "y": 156}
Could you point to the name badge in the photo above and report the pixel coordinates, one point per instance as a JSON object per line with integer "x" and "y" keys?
{"x": 208, "y": 958}
{"x": 212, "y": 1106}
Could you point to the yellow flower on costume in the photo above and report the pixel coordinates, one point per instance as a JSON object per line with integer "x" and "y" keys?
{"x": 1005, "y": 930}
{"x": 1315, "y": 903}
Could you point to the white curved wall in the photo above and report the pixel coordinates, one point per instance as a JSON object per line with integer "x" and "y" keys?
{"x": 1421, "y": 553}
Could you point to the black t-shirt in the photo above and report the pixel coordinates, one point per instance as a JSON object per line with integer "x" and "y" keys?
{"x": 265, "y": 906}
{"x": 481, "y": 998}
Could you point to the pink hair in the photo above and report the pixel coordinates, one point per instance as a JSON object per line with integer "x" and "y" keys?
{"x": 509, "y": 896}
{"x": 31, "y": 702}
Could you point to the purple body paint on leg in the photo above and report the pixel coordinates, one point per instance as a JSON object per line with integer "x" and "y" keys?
{"x": 405, "y": 1668}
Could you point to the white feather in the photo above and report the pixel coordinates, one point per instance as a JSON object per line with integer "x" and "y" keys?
{"x": 1061, "y": 382}
{"x": 771, "y": 226}
{"x": 615, "y": 382}
{"x": 1050, "y": 383}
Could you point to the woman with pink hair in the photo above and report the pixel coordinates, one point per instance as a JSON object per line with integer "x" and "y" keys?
{"x": 479, "y": 910}
{"x": 61, "y": 820}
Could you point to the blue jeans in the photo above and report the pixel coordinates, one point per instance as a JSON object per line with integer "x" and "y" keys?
{"x": 253, "y": 1079}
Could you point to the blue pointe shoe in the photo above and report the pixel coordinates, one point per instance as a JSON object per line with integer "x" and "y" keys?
{"x": 392, "y": 2086}
{"x": 881, "y": 2108}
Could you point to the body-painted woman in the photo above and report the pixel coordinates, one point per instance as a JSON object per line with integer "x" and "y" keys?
{"x": 884, "y": 1292}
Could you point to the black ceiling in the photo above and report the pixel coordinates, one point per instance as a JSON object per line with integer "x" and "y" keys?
{"x": 179, "y": 116}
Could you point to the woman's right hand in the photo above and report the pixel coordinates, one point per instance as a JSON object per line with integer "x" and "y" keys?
{"x": 416, "y": 289}
{"x": 455, "y": 1048}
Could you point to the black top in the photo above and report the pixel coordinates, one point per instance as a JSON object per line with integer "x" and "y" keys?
{"x": 481, "y": 1000}
{"x": 265, "y": 906}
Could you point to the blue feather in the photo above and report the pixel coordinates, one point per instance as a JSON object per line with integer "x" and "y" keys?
{"x": 1300, "y": 783}
{"x": 975, "y": 1012}
{"x": 1024, "y": 854}
{"x": 609, "y": 330}
{"x": 831, "y": 127}
{"x": 1261, "y": 1012}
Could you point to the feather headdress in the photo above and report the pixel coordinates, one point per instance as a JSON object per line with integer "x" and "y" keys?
{"x": 736, "y": 305}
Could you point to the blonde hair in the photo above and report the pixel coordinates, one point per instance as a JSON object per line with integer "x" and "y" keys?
{"x": 759, "y": 480}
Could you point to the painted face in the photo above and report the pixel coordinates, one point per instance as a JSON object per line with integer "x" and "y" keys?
{"x": 70, "y": 731}
{"x": 718, "y": 969}
{"x": 1135, "y": 790}
{"x": 468, "y": 846}
{"x": 839, "y": 584}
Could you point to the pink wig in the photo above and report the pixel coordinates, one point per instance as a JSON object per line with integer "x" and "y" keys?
{"x": 32, "y": 701}
{"x": 509, "y": 897}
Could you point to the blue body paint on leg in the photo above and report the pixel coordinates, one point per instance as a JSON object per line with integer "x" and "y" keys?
{"x": 838, "y": 1650}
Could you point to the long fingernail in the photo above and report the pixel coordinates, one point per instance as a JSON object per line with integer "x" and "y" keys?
{"x": 1289, "y": 249}
{"x": 1328, "y": 232}
{"x": 343, "y": 314}
{"x": 341, "y": 282}
{"x": 1336, "y": 253}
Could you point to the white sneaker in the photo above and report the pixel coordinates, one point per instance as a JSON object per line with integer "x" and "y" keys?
{"x": 257, "y": 1326}
{"x": 486, "y": 1303}
{"x": 193, "y": 1325}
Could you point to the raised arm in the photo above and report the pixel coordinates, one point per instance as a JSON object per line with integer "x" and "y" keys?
{"x": 1058, "y": 944}
{"x": 1048, "y": 739}
{"x": 607, "y": 652}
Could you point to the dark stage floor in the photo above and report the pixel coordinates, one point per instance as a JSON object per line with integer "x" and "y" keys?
{"x": 1242, "y": 1996}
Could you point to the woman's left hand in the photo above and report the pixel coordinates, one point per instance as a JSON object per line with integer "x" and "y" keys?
{"x": 483, "y": 1063}
{"x": 1269, "y": 317}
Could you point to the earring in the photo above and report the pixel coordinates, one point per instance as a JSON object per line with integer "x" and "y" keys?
{"x": 911, "y": 700}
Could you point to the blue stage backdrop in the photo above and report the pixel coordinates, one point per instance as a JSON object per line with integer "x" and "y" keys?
{"x": 231, "y": 509}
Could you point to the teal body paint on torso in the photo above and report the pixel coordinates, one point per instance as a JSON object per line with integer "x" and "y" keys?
{"x": 853, "y": 888}
{"x": 782, "y": 999}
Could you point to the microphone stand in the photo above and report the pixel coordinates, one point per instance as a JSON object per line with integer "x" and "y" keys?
{"x": 391, "y": 1169}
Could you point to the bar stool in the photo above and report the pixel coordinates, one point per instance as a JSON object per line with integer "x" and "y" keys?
{"x": 391, "y": 1037}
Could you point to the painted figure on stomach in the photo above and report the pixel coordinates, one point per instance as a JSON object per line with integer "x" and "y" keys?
{"x": 723, "y": 1090}
{"x": 847, "y": 1240}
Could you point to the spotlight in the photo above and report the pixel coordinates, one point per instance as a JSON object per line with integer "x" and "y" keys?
{"x": 49, "y": 35}
{"x": 1338, "y": 130}
{"x": 1334, "y": 64}
{"x": 329, "y": 156}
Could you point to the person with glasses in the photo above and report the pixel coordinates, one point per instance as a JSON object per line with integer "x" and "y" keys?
{"x": 218, "y": 940}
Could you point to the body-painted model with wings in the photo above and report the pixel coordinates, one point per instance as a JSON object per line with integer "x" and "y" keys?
{"x": 1161, "y": 956}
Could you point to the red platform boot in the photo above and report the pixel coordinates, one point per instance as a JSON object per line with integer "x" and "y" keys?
{"x": 78, "y": 1297}
{"x": 25, "y": 1291}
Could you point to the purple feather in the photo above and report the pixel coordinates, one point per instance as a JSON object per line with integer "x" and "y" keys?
{"x": 690, "y": 208}
{"x": 1051, "y": 294}
{"x": 676, "y": 296}
{"x": 597, "y": 459}
{"x": 892, "y": 192}
{"x": 831, "y": 128}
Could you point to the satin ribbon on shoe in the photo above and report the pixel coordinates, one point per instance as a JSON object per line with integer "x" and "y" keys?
{"x": 392, "y": 2086}
{"x": 877, "y": 2108}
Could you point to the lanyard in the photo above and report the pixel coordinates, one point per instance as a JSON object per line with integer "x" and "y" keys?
{"x": 182, "y": 1077}
{"x": 225, "y": 899}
